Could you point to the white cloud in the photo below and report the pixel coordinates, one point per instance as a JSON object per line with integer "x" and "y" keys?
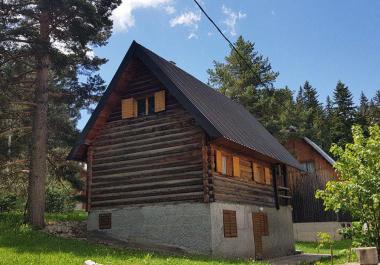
{"x": 123, "y": 15}
{"x": 170, "y": 9}
{"x": 192, "y": 35}
{"x": 189, "y": 18}
{"x": 273, "y": 13}
{"x": 231, "y": 19}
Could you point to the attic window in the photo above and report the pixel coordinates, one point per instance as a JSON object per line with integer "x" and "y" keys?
{"x": 309, "y": 166}
{"x": 141, "y": 107}
{"x": 134, "y": 107}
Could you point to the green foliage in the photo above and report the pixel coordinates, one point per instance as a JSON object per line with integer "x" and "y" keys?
{"x": 358, "y": 190}
{"x": 67, "y": 216}
{"x": 341, "y": 249}
{"x": 7, "y": 202}
{"x": 58, "y": 200}
{"x": 324, "y": 240}
{"x": 343, "y": 115}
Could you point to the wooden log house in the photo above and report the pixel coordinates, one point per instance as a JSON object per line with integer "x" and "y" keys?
{"x": 172, "y": 163}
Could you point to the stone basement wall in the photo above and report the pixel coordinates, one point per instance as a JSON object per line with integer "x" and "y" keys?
{"x": 197, "y": 228}
{"x": 307, "y": 232}
{"x": 173, "y": 227}
{"x": 279, "y": 242}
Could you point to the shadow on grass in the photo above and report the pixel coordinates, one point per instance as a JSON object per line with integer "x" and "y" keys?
{"x": 21, "y": 239}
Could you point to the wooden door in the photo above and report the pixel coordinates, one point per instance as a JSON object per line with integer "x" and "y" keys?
{"x": 260, "y": 229}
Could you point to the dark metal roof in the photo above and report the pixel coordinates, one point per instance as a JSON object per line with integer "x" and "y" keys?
{"x": 218, "y": 115}
{"x": 319, "y": 150}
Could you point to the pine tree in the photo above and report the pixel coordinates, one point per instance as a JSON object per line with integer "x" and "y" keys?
{"x": 239, "y": 81}
{"x": 314, "y": 113}
{"x": 53, "y": 38}
{"x": 362, "y": 113}
{"x": 327, "y": 124}
{"x": 374, "y": 109}
{"x": 343, "y": 115}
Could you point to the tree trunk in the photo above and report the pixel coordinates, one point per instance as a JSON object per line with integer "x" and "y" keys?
{"x": 38, "y": 166}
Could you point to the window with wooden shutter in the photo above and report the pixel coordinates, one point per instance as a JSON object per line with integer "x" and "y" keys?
{"x": 159, "y": 101}
{"x": 236, "y": 166}
{"x": 219, "y": 166}
{"x": 229, "y": 223}
{"x": 105, "y": 221}
{"x": 128, "y": 108}
{"x": 259, "y": 173}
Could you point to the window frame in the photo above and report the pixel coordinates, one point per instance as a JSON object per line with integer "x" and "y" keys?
{"x": 230, "y": 224}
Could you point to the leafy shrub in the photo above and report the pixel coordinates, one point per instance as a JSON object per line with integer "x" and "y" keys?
{"x": 58, "y": 200}
{"x": 7, "y": 202}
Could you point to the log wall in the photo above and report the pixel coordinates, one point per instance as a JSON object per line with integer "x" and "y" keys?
{"x": 241, "y": 189}
{"x": 149, "y": 159}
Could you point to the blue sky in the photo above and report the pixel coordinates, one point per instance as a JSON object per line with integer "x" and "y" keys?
{"x": 321, "y": 41}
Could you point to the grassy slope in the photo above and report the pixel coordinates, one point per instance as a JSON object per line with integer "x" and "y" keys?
{"x": 21, "y": 245}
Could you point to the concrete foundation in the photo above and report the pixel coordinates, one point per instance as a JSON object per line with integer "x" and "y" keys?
{"x": 198, "y": 228}
{"x": 307, "y": 232}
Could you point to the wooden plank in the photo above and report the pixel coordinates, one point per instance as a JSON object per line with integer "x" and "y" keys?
{"x": 148, "y": 160}
{"x": 148, "y": 172}
{"x": 146, "y": 147}
{"x": 149, "y": 153}
{"x": 147, "y": 193}
{"x": 147, "y": 179}
{"x": 194, "y": 196}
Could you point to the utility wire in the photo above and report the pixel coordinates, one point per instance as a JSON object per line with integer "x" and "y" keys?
{"x": 250, "y": 66}
{"x": 229, "y": 42}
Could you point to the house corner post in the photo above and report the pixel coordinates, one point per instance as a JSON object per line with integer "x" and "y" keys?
{"x": 275, "y": 169}
{"x": 90, "y": 154}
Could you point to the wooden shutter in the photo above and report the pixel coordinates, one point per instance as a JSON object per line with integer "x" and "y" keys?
{"x": 128, "y": 108}
{"x": 256, "y": 172}
{"x": 268, "y": 176}
{"x": 159, "y": 101}
{"x": 265, "y": 224}
{"x": 236, "y": 166}
{"x": 219, "y": 161}
{"x": 105, "y": 221}
{"x": 229, "y": 223}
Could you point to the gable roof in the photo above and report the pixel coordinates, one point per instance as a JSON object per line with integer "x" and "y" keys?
{"x": 319, "y": 150}
{"x": 218, "y": 115}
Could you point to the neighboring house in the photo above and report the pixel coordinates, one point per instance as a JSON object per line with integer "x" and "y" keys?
{"x": 172, "y": 163}
{"x": 309, "y": 216}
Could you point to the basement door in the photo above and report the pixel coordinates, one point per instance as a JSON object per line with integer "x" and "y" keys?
{"x": 260, "y": 229}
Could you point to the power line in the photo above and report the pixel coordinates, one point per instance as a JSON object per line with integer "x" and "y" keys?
{"x": 229, "y": 42}
{"x": 250, "y": 66}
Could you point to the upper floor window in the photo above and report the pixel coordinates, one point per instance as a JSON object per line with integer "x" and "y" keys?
{"x": 309, "y": 166}
{"x": 134, "y": 107}
{"x": 227, "y": 164}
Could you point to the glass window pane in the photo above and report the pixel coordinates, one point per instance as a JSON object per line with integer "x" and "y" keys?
{"x": 151, "y": 105}
{"x": 224, "y": 165}
{"x": 141, "y": 106}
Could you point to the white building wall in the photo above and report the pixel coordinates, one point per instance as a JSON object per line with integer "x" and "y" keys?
{"x": 307, "y": 232}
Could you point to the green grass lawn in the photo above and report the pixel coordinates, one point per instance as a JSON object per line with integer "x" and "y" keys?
{"x": 19, "y": 244}
{"x": 340, "y": 250}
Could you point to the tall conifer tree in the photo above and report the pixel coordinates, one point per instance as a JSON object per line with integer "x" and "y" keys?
{"x": 54, "y": 39}
{"x": 343, "y": 114}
